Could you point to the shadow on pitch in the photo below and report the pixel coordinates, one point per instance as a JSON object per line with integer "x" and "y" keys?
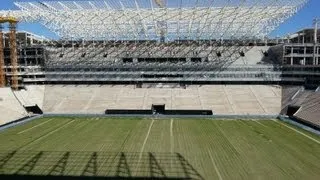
{"x": 95, "y": 165}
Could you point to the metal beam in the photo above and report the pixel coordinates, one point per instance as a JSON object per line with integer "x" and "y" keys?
{"x": 225, "y": 19}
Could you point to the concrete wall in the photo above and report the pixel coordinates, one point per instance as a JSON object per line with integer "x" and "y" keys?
{"x": 308, "y": 102}
{"x": 32, "y": 95}
{"x": 10, "y": 108}
{"x": 232, "y": 99}
{"x": 288, "y": 94}
{"x": 310, "y": 109}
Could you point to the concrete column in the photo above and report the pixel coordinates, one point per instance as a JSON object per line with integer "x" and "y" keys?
{"x": 283, "y": 53}
{"x": 318, "y": 53}
{"x": 291, "y": 63}
{"x": 314, "y": 53}
{"x": 135, "y": 60}
{"x": 25, "y": 57}
{"x": 304, "y": 58}
{"x": 37, "y": 61}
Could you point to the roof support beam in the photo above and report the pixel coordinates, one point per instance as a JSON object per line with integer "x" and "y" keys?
{"x": 197, "y": 20}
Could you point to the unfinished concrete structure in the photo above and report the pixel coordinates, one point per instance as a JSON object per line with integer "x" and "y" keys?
{"x": 187, "y": 55}
{"x": 149, "y": 43}
{"x": 13, "y": 52}
{"x": 303, "y": 49}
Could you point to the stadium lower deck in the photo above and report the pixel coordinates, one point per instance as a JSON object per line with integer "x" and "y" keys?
{"x": 150, "y": 148}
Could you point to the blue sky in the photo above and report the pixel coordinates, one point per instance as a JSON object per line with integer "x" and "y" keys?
{"x": 299, "y": 21}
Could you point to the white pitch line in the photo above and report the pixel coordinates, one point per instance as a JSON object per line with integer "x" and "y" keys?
{"x": 225, "y": 136}
{"x": 171, "y": 135}
{"x": 145, "y": 140}
{"x": 215, "y": 166}
{"x": 144, "y": 143}
{"x": 53, "y": 131}
{"x": 171, "y": 140}
{"x": 259, "y": 123}
{"x": 34, "y": 126}
{"x": 65, "y": 144}
{"x": 309, "y": 137}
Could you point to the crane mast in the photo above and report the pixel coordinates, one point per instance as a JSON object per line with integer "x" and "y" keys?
{"x": 13, "y": 52}
{"x": 2, "y": 71}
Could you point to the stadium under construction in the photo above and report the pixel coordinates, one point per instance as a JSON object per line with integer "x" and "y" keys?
{"x": 159, "y": 59}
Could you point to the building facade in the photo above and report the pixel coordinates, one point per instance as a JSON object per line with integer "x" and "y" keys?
{"x": 303, "y": 49}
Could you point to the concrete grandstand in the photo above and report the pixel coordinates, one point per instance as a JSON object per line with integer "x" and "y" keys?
{"x": 221, "y": 99}
{"x": 136, "y": 54}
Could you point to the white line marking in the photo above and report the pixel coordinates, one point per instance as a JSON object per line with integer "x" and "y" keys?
{"x": 298, "y": 132}
{"x": 225, "y": 136}
{"x": 215, "y": 166}
{"x": 34, "y": 126}
{"x": 145, "y": 140}
{"x": 257, "y": 121}
{"x": 171, "y": 140}
{"x": 171, "y": 135}
{"x": 296, "y": 94}
{"x": 65, "y": 144}
{"x": 144, "y": 143}
{"x": 53, "y": 131}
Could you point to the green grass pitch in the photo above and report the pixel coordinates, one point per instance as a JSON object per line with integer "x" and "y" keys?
{"x": 163, "y": 148}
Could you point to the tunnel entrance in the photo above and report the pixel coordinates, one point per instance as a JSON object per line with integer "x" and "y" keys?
{"x": 33, "y": 109}
{"x": 158, "y": 108}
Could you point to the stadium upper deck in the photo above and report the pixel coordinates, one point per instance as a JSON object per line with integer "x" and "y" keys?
{"x": 158, "y": 20}
{"x": 130, "y": 41}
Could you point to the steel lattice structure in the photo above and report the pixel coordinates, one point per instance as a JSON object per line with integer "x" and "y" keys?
{"x": 151, "y": 20}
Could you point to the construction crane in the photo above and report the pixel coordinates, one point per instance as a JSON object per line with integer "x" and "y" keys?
{"x": 13, "y": 52}
{"x": 2, "y": 73}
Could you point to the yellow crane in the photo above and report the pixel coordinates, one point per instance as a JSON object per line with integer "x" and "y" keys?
{"x": 8, "y": 20}
{"x": 2, "y": 73}
{"x": 13, "y": 52}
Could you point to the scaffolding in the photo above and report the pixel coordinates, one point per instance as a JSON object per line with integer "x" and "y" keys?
{"x": 2, "y": 70}
{"x": 13, "y": 53}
